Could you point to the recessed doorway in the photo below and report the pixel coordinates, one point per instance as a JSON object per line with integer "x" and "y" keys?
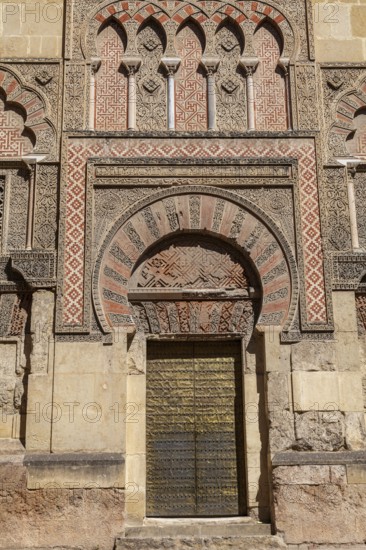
{"x": 195, "y": 429}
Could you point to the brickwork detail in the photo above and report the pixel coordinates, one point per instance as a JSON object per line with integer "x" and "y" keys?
{"x": 13, "y": 143}
{"x": 111, "y": 83}
{"x": 191, "y": 92}
{"x": 270, "y": 92}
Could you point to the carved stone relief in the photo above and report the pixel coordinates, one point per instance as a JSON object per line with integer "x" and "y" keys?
{"x": 151, "y": 93}
{"x": 307, "y": 102}
{"x": 45, "y": 214}
{"x": 278, "y": 203}
{"x": 230, "y": 83}
{"x": 208, "y": 277}
{"x": 360, "y": 195}
{"x": 194, "y": 317}
{"x": 18, "y": 209}
{"x": 361, "y": 314}
{"x": 2, "y": 208}
{"x": 191, "y": 263}
{"x": 337, "y": 230}
{"x": 75, "y": 96}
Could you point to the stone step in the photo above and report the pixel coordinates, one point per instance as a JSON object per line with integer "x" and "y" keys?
{"x": 197, "y": 529}
{"x": 201, "y": 543}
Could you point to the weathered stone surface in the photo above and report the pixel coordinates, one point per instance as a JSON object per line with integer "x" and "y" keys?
{"x": 198, "y": 543}
{"x": 301, "y": 475}
{"x": 44, "y": 518}
{"x": 281, "y": 431}
{"x": 313, "y": 356}
{"x": 320, "y": 431}
{"x": 355, "y": 431}
{"x": 311, "y": 513}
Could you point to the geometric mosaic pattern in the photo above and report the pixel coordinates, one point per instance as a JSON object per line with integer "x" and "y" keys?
{"x": 303, "y": 150}
{"x": 270, "y": 93}
{"x": 111, "y": 84}
{"x": 12, "y": 142}
{"x": 191, "y": 95}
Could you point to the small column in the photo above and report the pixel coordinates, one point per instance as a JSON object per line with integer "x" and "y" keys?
{"x": 210, "y": 65}
{"x": 94, "y": 67}
{"x": 249, "y": 65}
{"x": 352, "y": 168}
{"x": 171, "y": 65}
{"x": 284, "y": 64}
{"x": 132, "y": 65}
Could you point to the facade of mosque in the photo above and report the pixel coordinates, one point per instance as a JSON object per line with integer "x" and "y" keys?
{"x": 182, "y": 274}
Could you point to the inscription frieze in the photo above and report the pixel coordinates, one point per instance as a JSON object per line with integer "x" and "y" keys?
{"x": 132, "y": 172}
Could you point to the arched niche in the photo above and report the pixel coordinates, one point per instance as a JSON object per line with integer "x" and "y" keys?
{"x": 269, "y": 82}
{"x": 209, "y": 212}
{"x": 190, "y": 81}
{"x": 110, "y": 80}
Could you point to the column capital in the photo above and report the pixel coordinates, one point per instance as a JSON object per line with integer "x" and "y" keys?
{"x": 284, "y": 64}
{"x": 170, "y": 64}
{"x": 95, "y": 63}
{"x": 210, "y": 64}
{"x": 131, "y": 64}
{"x": 249, "y": 64}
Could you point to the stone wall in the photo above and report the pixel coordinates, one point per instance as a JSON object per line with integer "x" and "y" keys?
{"x": 340, "y": 30}
{"x": 30, "y": 28}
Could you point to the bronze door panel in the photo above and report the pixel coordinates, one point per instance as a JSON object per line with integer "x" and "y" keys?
{"x": 194, "y": 430}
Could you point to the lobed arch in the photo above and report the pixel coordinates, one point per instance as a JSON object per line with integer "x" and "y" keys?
{"x": 34, "y": 107}
{"x": 207, "y": 211}
{"x": 252, "y": 13}
{"x": 348, "y": 105}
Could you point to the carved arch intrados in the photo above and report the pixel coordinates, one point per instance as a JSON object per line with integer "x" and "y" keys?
{"x": 194, "y": 10}
{"x": 208, "y": 211}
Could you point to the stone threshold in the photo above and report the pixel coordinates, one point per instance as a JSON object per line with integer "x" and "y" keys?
{"x": 301, "y": 458}
{"x": 198, "y": 527}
